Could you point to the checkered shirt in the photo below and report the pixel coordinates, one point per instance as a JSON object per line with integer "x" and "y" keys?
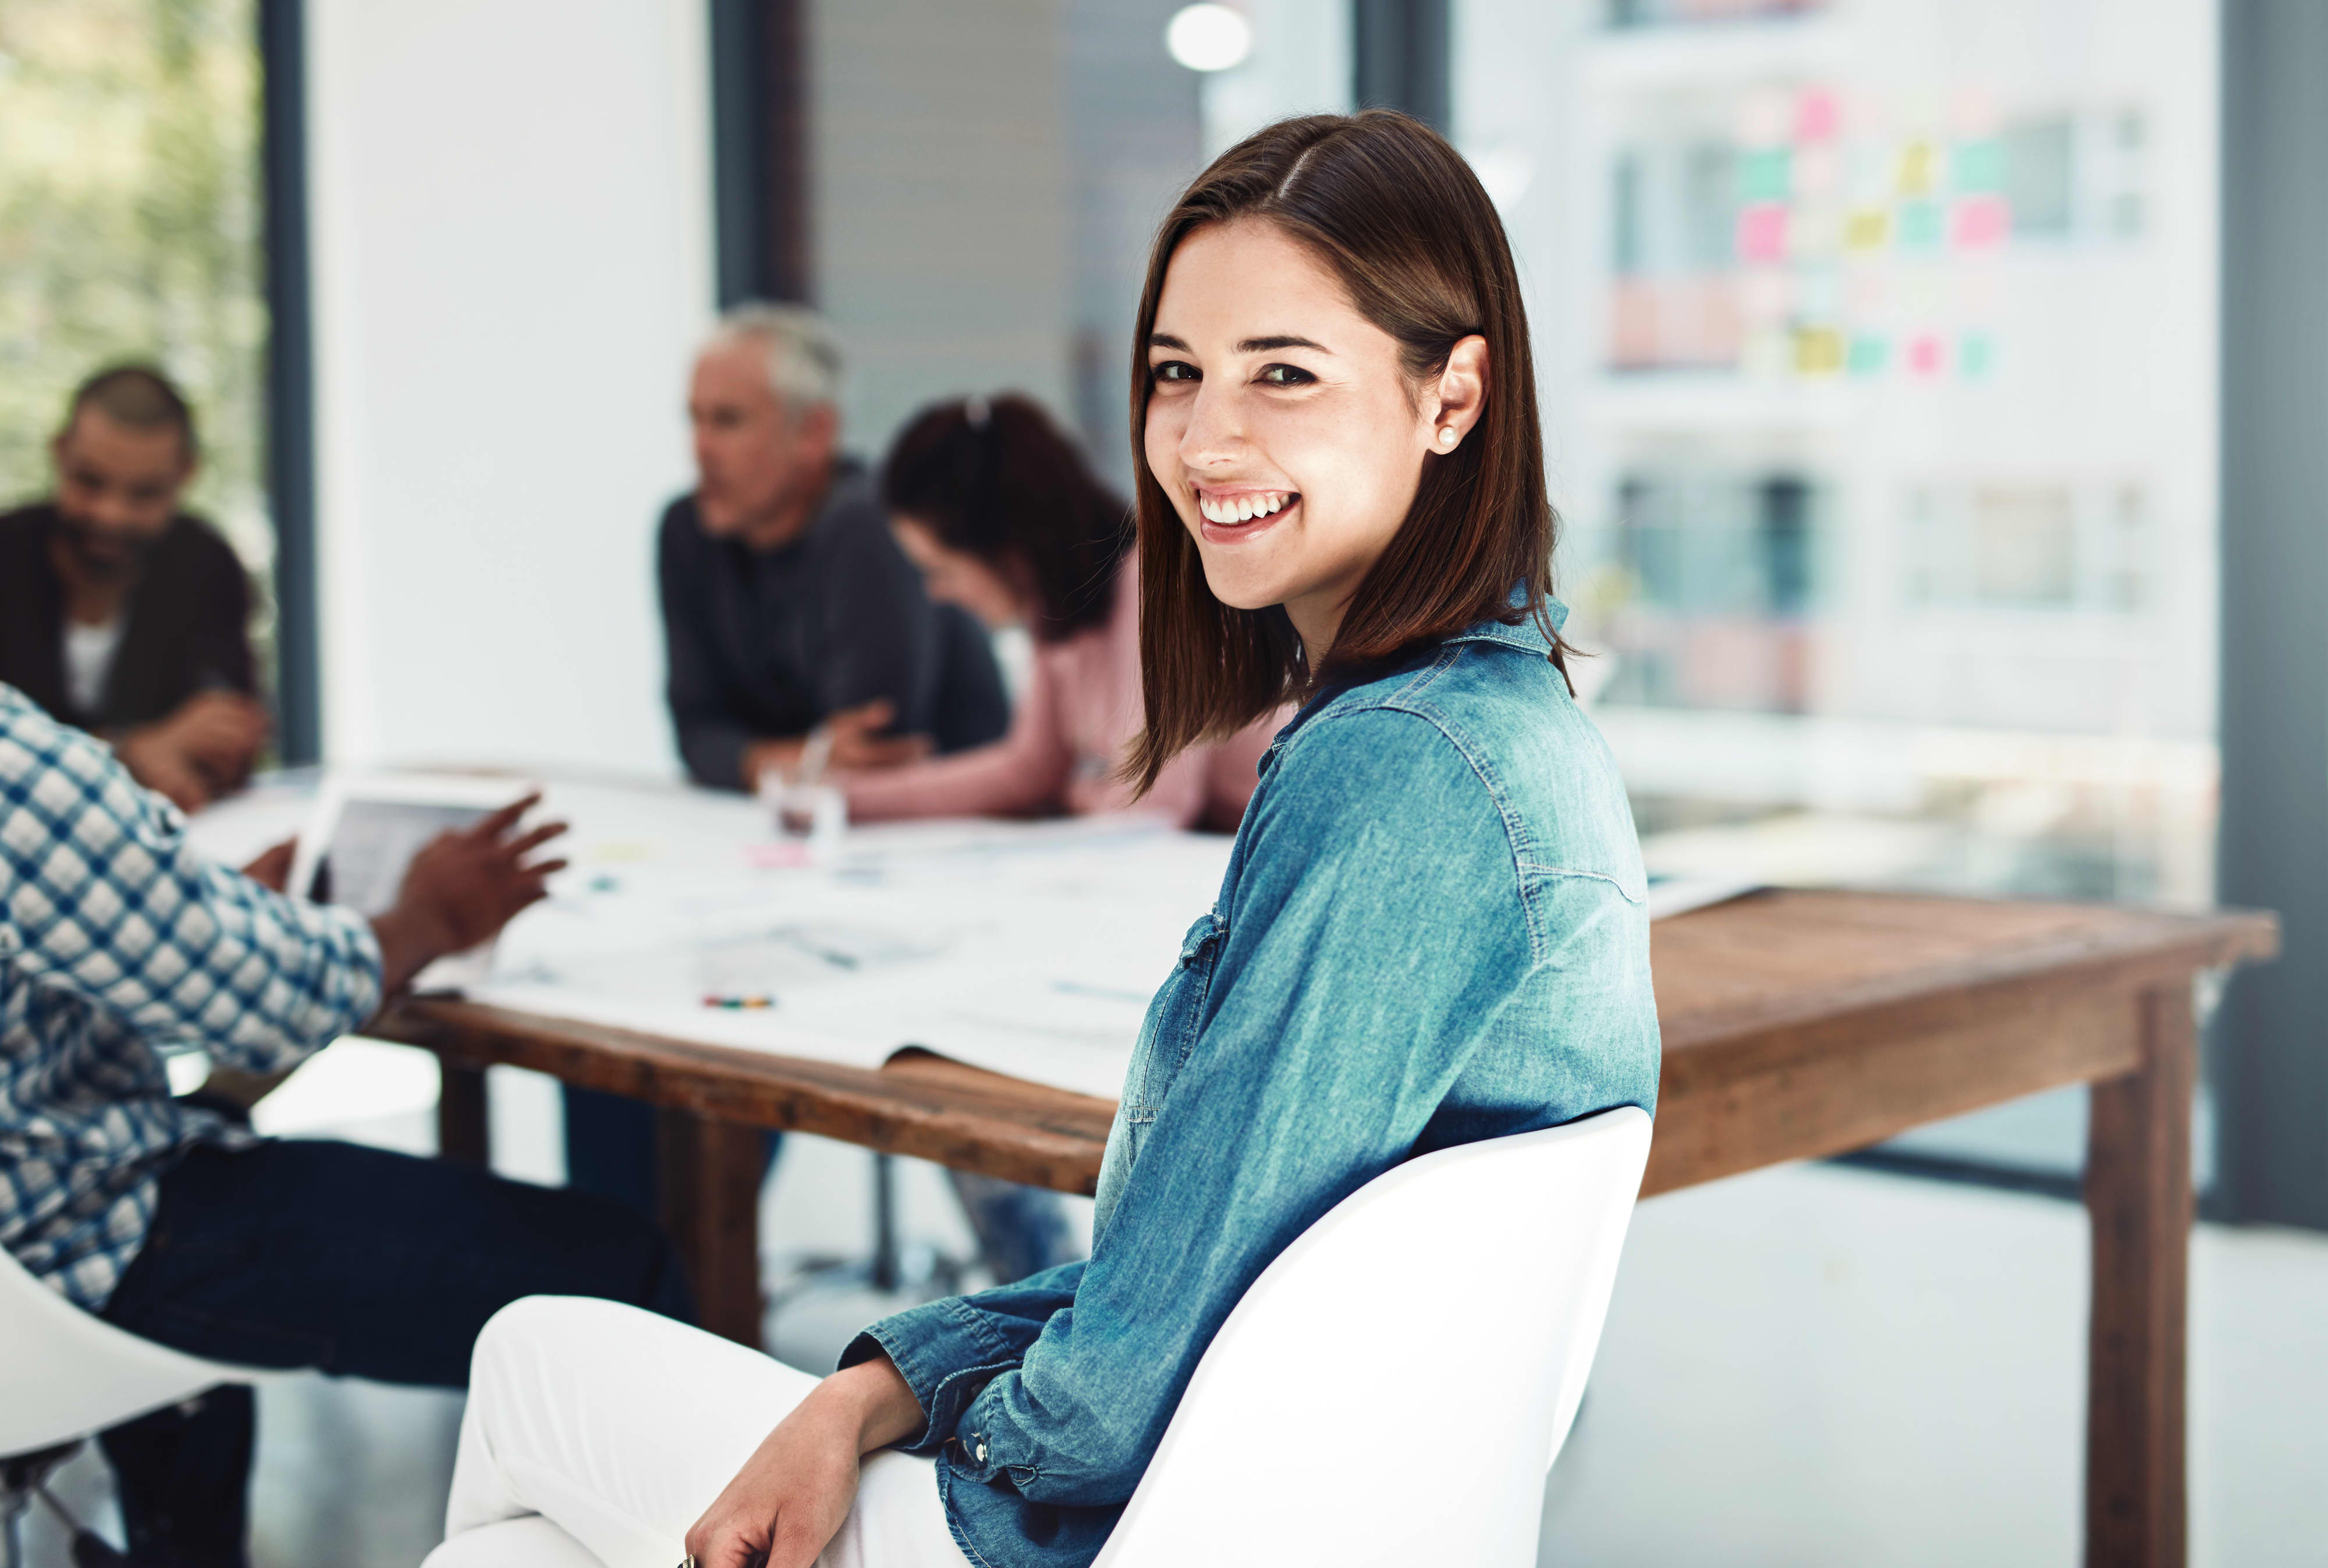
{"x": 117, "y": 944}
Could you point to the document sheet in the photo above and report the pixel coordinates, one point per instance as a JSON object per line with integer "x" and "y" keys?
{"x": 1027, "y": 948}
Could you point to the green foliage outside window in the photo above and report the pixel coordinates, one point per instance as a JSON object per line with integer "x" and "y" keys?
{"x": 131, "y": 215}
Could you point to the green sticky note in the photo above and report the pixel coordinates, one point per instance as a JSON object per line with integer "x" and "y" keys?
{"x": 1765, "y": 174}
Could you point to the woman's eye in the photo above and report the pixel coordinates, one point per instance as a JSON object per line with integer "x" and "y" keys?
{"x": 1173, "y": 371}
{"x": 1285, "y": 376}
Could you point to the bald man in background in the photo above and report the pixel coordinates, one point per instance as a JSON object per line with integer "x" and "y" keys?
{"x": 123, "y": 616}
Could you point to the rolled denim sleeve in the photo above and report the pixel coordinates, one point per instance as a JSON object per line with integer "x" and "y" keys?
{"x": 1318, "y": 1059}
{"x": 947, "y": 1350}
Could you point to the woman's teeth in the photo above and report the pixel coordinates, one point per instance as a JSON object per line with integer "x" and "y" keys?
{"x": 1243, "y": 508}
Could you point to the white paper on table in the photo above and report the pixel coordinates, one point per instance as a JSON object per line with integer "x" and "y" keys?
{"x": 764, "y": 1030}
{"x": 1027, "y": 949}
{"x": 1068, "y": 1034}
{"x": 238, "y": 829}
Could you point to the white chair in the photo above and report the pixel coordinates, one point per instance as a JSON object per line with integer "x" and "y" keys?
{"x": 65, "y": 1374}
{"x": 1392, "y": 1388}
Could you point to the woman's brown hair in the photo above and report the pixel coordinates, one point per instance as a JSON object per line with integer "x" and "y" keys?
{"x": 1001, "y": 482}
{"x": 1398, "y": 217}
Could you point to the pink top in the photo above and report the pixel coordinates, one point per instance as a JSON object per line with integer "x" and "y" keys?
{"x": 1079, "y": 716}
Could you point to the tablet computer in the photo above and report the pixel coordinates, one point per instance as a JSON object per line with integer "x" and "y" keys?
{"x": 364, "y": 832}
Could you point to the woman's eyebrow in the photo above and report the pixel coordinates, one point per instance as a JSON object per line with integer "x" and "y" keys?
{"x": 1161, "y": 339}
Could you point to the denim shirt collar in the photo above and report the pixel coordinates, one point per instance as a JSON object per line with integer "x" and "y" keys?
{"x": 1526, "y": 636}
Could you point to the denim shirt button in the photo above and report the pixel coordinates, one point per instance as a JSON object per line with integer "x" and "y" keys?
{"x": 982, "y": 1450}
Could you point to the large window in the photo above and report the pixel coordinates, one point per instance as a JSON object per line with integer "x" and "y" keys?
{"x": 131, "y": 228}
{"x": 1878, "y": 342}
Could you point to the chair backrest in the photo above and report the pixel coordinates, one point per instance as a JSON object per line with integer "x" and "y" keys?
{"x": 1392, "y": 1388}
{"x": 65, "y": 1373}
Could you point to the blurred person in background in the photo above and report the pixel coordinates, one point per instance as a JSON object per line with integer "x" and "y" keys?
{"x": 1006, "y": 520}
{"x": 788, "y": 609}
{"x": 793, "y": 623}
{"x": 121, "y": 614}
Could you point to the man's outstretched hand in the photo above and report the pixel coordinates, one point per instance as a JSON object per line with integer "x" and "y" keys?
{"x": 461, "y": 889}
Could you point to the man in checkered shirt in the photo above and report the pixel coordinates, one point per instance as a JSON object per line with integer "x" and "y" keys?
{"x": 118, "y": 944}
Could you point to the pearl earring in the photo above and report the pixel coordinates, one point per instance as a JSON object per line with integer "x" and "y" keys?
{"x": 1447, "y": 435}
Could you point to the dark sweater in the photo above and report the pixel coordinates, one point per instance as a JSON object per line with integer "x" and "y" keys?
{"x": 186, "y": 623}
{"x": 763, "y": 644}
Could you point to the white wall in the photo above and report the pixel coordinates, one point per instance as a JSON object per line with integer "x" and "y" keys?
{"x": 511, "y": 209}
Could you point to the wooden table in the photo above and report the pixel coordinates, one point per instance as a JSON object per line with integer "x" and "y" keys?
{"x": 1797, "y": 1024}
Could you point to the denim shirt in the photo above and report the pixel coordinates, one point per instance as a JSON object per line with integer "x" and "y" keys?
{"x": 1433, "y": 930}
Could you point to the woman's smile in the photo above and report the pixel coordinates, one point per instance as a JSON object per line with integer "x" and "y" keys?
{"x": 1235, "y": 515}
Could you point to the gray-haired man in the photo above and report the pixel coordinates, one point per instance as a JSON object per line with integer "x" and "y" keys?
{"x": 787, "y": 604}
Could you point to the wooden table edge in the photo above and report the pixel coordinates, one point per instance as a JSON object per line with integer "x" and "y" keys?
{"x": 2176, "y": 943}
{"x": 917, "y": 1104}
{"x": 933, "y": 1107}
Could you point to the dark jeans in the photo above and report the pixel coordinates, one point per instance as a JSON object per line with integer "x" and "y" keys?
{"x": 352, "y": 1261}
{"x": 610, "y": 1152}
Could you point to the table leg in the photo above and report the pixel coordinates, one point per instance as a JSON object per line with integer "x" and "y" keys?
{"x": 711, "y": 1178}
{"x": 2138, "y": 1196}
{"x": 463, "y": 1132}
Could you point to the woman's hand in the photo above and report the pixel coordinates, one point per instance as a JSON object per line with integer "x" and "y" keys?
{"x": 794, "y": 1492}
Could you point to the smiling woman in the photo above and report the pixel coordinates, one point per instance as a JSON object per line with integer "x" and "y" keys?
{"x": 1433, "y": 930}
{"x": 1335, "y": 403}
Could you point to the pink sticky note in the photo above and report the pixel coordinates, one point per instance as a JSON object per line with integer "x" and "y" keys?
{"x": 1816, "y": 116}
{"x": 1981, "y": 221}
{"x": 1924, "y": 354}
{"x": 1762, "y": 233}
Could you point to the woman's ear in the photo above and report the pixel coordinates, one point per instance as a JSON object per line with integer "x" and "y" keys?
{"x": 1459, "y": 395}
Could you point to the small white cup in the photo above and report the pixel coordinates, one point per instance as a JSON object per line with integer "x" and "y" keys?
{"x": 811, "y": 815}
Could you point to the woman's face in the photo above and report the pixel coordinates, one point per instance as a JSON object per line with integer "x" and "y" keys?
{"x": 956, "y": 576}
{"x": 1281, "y": 425}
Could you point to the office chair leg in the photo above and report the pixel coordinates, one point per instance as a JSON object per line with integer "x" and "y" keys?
{"x": 20, "y": 1476}
{"x": 26, "y": 1476}
{"x": 89, "y": 1550}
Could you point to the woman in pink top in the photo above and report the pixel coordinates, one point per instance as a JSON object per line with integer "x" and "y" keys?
{"x": 1005, "y": 519}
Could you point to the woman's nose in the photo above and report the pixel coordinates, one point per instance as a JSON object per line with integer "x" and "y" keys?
{"x": 1216, "y": 428}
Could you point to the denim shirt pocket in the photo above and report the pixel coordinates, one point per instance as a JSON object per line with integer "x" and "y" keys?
{"x": 1167, "y": 1034}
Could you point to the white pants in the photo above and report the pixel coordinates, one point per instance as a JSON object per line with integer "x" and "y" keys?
{"x": 596, "y": 1434}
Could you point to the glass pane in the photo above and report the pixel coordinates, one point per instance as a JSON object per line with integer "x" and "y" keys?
{"x": 1140, "y": 125}
{"x": 131, "y": 228}
{"x": 1878, "y": 343}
